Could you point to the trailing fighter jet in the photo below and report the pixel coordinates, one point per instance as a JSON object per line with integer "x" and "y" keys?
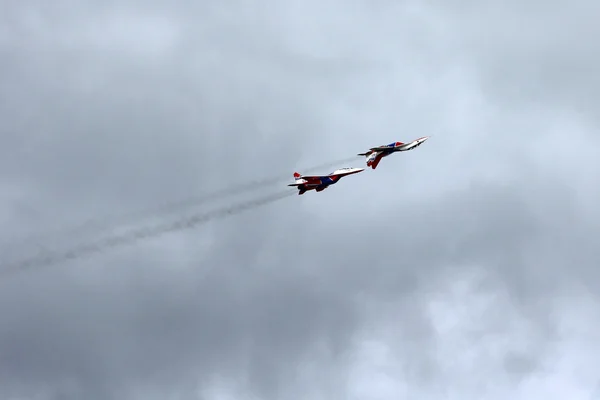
{"x": 320, "y": 183}
{"x": 375, "y": 154}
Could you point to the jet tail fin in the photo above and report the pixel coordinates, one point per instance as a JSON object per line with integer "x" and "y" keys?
{"x": 297, "y": 177}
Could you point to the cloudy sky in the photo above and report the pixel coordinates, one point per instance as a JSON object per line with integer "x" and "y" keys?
{"x": 465, "y": 269}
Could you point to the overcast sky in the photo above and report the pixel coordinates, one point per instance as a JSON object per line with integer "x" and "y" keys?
{"x": 465, "y": 269}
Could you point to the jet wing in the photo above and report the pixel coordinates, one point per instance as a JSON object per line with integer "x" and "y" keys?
{"x": 381, "y": 148}
{"x": 375, "y": 150}
{"x": 311, "y": 178}
{"x": 308, "y": 180}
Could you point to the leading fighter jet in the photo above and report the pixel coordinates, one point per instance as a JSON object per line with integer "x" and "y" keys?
{"x": 375, "y": 154}
{"x": 321, "y": 182}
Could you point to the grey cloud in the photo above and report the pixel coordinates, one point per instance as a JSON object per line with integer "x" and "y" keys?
{"x": 533, "y": 55}
{"x": 278, "y": 301}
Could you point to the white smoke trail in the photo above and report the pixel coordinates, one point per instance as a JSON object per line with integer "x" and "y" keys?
{"x": 110, "y": 222}
{"x": 142, "y": 233}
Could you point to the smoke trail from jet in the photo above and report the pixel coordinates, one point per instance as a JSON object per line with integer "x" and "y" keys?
{"x": 143, "y": 233}
{"x": 116, "y": 220}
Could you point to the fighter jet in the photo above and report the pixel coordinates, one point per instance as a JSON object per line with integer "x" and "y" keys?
{"x": 321, "y": 182}
{"x": 375, "y": 154}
